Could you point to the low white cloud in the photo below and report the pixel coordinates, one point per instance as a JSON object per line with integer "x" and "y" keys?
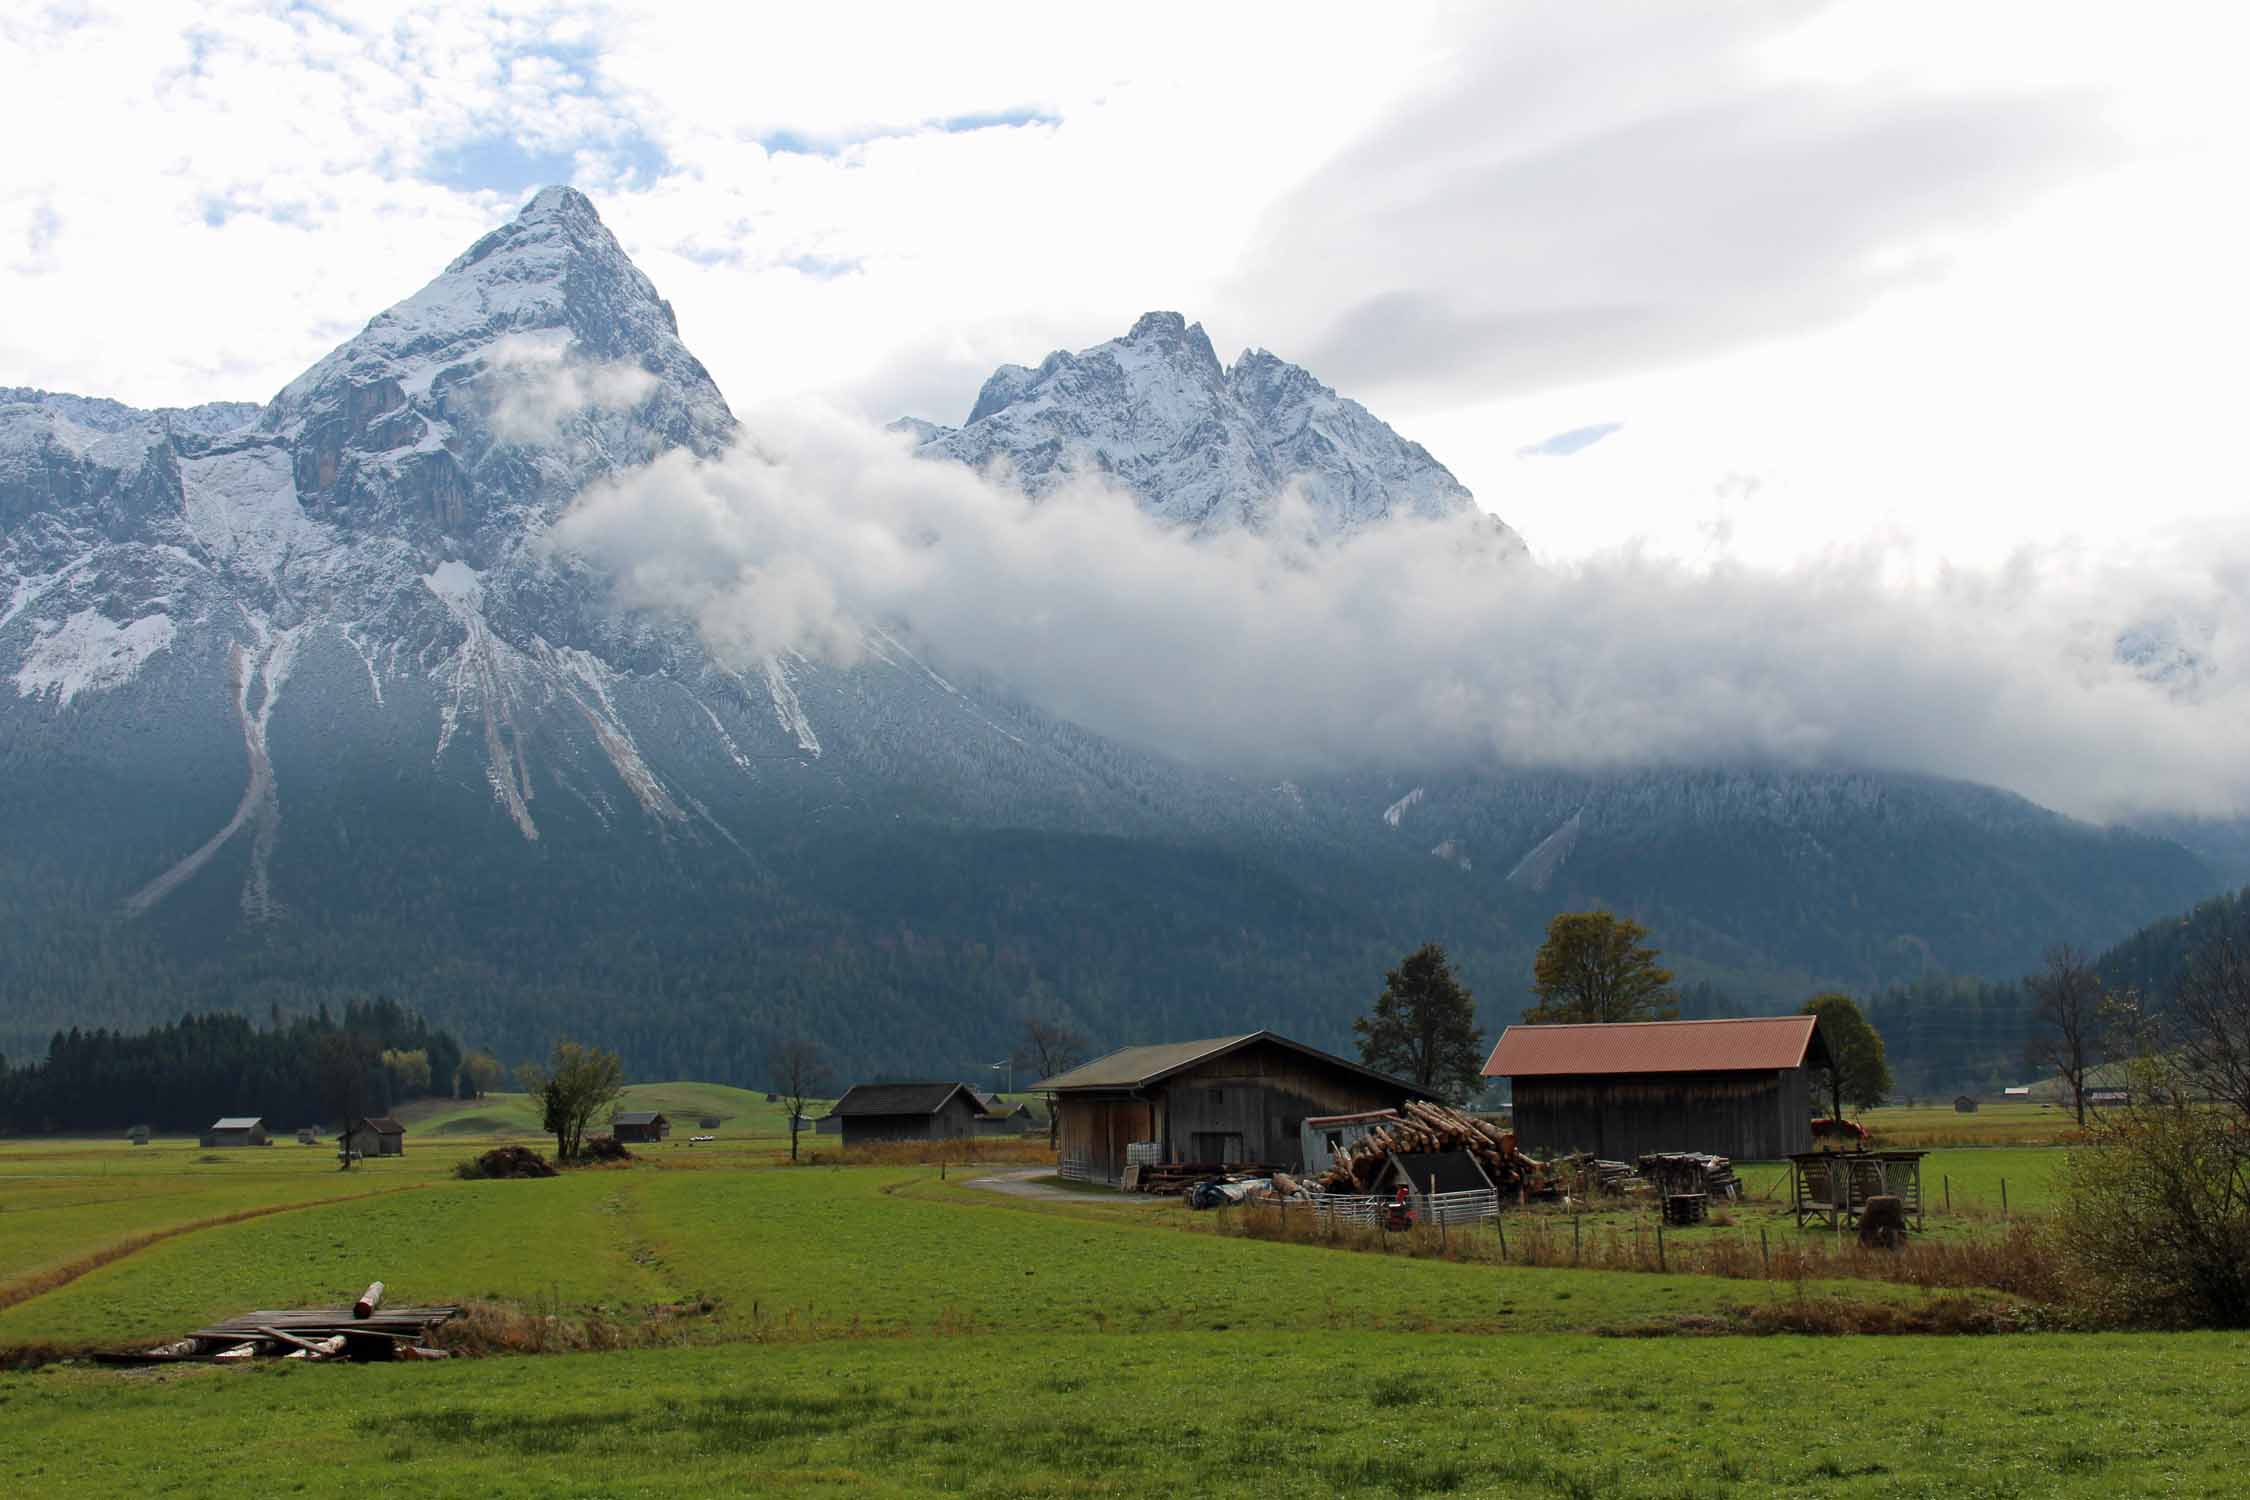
{"x": 1409, "y": 644}
{"x": 536, "y": 385}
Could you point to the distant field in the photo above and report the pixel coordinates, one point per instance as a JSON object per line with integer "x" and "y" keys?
{"x": 1233, "y": 1413}
{"x": 2013, "y": 1123}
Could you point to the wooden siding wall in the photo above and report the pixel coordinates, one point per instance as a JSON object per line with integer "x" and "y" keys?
{"x": 1263, "y": 1095}
{"x": 1746, "y": 1116}
{"x": 1095, "y": 1129}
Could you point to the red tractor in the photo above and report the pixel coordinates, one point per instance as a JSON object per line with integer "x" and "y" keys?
{"x": 1398, "y": 1214}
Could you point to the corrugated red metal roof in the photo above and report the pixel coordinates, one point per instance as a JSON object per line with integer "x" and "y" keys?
{"x": 1757, "y": 1044}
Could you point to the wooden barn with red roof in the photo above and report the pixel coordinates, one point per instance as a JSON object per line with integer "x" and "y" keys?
{"x": 1738, "y": 1088}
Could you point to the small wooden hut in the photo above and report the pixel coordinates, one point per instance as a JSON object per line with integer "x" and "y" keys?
{"x": 138, "y": 1135}
{"x": 237, "y": 1130}
{"x": 1964, "y": 1105}
{"x": 872, "y": 1112}
{"x": 376, "y": 1135}
{"x": 641, "y": 1125}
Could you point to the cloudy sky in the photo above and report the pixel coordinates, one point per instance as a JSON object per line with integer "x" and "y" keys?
{"x": 1747, "y": 283}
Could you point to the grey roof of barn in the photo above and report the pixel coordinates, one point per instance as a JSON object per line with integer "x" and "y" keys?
{"x": 865, "y": 1099}
{"x": 239, "y": 1122}
{"x": 638, "y": 1117}
{"x": 380, "y": 1124}
{"x": 1138, "y": 1067}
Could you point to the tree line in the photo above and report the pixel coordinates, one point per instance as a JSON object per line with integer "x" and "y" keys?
{"x": 321, "y": 1068}
{"x": 1595, "y": 967}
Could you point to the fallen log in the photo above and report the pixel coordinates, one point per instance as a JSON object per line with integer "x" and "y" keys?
{"x": 368, "y": 1301}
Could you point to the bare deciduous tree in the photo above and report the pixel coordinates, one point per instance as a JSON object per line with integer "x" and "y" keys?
{"x": 800, "y": 1071}
{"x": 2210, "y": 1025}
{"x": 2073, "y": 1034}
{"x": 1050, "y": 1046}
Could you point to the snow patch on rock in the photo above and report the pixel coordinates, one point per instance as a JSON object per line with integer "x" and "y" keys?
{"x": 90, "y": 653}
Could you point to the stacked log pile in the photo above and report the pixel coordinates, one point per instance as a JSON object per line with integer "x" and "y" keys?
{"x": 364, "y": 1331}
{"x": 1428, "y": 1128}
{"x": 1586, "y": 1175}
{"x": 1691, "y": 1172}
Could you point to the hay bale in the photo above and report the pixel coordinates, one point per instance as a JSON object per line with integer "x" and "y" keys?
{"x": 1882, "y": 1224}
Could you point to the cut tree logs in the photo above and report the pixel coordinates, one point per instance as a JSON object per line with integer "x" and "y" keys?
{"x": 362, "y": 1332}
{"x": 1428, "y": 1128}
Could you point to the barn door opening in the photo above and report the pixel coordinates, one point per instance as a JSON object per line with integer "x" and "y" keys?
{"x": 1222, "y": 1147}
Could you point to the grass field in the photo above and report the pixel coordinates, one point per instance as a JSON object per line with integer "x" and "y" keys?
{"x": 1238, "y": 1413}
{"x": 892, "y": 1329}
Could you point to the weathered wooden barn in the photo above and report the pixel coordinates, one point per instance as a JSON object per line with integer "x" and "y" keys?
{"x": 1964, "y": 1105}
{"x": 1737, "y": 1088}
{"x": 138, "y": 1135}
{"x": 1230, "y": 1100}
{"x": 238, "y": 1130}
{"x": 376, "y": 1135}
{"x": 872, "y": 1112}
{"x": 640, "y": 1125}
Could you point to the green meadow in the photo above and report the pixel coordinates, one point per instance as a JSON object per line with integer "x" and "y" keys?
{"x": 896, "y": 1329}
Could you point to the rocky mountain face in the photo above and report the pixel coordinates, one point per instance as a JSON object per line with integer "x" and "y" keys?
{"x": 1206, "y": 446}
{"x": 298, "y": 702}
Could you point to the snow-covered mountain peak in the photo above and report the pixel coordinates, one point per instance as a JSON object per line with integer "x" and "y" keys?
{"x": 542, "y": 344}
{"x": 1202, "y": 445}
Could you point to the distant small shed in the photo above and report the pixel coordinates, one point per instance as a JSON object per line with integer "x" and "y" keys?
{"x": 640, "y": 1125}
{"x": 1964, "y": 1105}
{"x": 829, "y": 1124}
{"x": 308, "y": 1135}
{"x": 376, "y": 1135}
{"x": 237, "y": 1130}
{"x": 710, "y": 1122}
{"x": 872, "y": 1112}
{"x": 138, "y": 1135}
{"x": 1000, "y": 1117}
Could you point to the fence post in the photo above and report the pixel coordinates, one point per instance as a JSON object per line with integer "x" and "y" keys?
{"x": 1575, "y": 1221}
{"x": 1660, "y": 1245}
{"x": 1765, "y": 1256}
{"x": 1948, "y": 1181}
{"x": 2003, "y": 1197}
{"x": 1501, "y": 1228}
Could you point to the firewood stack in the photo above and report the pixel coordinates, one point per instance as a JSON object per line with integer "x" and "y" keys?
{"x": 1431, "y": 1128}
{"x": 1691, "y": 1172}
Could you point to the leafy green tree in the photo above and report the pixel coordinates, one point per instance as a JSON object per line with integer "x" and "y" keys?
{"x": 1858, "y": 1074}
{"x": 409, "y": 1070}
{"x": 577, "y": 1084}
{"x": 479, "y": 1072}
{"x": 1594, "y": 966}
{"x": 1424, "y": 1027}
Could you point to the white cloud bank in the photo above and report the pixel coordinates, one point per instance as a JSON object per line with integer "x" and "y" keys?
{"x": 1407, "y": 645}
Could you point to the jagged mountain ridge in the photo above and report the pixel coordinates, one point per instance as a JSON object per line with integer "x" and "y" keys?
{"x": 1204, "y": 446}
{"x": 302, "y": 704}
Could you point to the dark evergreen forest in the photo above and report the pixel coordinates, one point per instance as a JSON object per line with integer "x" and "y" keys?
{"x": 314, "y": 1070}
